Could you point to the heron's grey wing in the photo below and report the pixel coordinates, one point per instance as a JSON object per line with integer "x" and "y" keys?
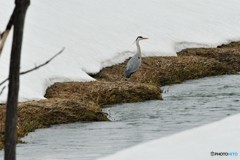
{"x": 132, "y": 65}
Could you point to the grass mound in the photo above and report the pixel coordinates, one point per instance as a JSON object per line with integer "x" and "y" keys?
{"x": 168, "y": 70}
{"x": 227, "y": 54}
{"x": 82, "y": 101}
{"x": 103, "y": 92}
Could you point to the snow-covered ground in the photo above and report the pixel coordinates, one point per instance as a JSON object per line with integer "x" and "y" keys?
{"x": 99, "y": 33}
{"x": 218, "y": 140}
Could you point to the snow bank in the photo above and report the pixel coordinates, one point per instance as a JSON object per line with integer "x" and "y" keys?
{"x": 99, "y": 33}
{"x": 197, "y": 144}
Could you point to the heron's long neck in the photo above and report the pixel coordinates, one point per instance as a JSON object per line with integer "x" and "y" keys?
{"x": 138, "y": 48}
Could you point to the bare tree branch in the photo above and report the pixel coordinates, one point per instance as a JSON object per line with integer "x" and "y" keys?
{"x": 4, "y": 35}
{"x": 45, "y": 63}
{"x": 37, "y": 67}
{"x": 4, "y": 81}
{"x": 2, "y": 90}
{"x": 10, "y": 22}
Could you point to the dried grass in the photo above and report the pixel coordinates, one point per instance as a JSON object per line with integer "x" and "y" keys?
{"x": 78, "y": 101}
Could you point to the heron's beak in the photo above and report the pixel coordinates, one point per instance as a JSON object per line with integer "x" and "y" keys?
{"x": 144, "y": 38}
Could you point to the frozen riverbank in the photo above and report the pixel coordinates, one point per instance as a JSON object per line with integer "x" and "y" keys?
{"x": 185, "y": 106}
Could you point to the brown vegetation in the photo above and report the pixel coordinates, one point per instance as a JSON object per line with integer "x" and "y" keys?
{"x": 227, "y": 54}
{"x": 169, "y": 70}
{"x": 103, "y": 92}
{"x": 82, "y": 101}
{"x": 40, "y": 114}
{"x": 76, "y": 101}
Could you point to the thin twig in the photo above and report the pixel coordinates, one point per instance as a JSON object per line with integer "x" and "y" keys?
{"x": 37, "y": 67}
{"x": 4, "y": 35}
{"x": 4, "y": 81}
{"x": 2, "y": 90}
{"x": 45, "y": 63}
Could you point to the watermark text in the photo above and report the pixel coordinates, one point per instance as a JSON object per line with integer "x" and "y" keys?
{"x": 230, "y": 154}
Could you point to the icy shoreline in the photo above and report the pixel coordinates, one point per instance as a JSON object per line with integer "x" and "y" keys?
{"x": 211, "y": 141}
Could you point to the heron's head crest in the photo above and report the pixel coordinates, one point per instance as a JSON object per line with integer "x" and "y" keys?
{"x": 140, "y": 38}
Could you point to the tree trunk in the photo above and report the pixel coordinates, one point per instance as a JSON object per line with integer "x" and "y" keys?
{"x": 12, "y": 101}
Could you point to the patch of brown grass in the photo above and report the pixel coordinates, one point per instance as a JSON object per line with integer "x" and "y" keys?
{"x": 82, "y": 101}
{"x": 104, "y": 92}
{"x": 227, "y": 54}
{"x": 40, "y": 114}
{"x": 168, "y": 70}
{"x": 76, "y": 101}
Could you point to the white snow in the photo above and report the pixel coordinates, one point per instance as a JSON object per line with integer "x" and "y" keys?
{"x": 193, "y": 144}
{"x": 99, "y": 33}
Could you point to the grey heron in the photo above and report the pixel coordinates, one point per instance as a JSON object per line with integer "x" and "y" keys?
{"x": 135, "y": 62}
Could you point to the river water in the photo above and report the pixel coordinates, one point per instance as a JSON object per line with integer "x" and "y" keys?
{"x": 185, "y": 106}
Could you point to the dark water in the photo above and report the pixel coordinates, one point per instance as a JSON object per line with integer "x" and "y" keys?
{"x": 185, "y": 106}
